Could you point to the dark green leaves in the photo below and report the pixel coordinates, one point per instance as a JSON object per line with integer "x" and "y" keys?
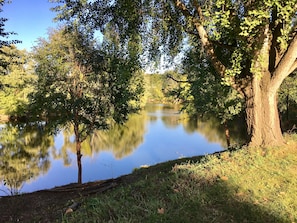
{"x": 82, "y": 83}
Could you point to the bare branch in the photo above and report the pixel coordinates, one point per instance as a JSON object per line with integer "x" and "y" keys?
{"x": 178, "y": 81}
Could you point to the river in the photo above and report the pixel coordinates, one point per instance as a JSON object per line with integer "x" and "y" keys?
{"x": 155, "y": 135}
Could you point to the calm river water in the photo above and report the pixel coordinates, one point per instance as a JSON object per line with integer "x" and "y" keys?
{"x": 157, "y": 134}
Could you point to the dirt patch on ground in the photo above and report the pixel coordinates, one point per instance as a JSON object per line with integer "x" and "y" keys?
{"x": 51, "y": 205}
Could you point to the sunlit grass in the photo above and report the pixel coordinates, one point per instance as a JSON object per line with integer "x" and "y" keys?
{"x": 247, "y": 185}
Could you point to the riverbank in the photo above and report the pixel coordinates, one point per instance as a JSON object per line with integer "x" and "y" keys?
{"x": 247, "y": 185}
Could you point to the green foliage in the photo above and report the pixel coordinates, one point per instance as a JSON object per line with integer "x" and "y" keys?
{"x": 24, "y": 154}
{"x": 205, "y": 94}
{"x": 16, "y": 81}
{"x": 4, "y": 34}
{"x": 82, "y": 83}
{"x": 234, "y": 28}
{"x": 243, "y": 40}
{"x": 288, "y": 100}
{"x": 128, "y": 21}
{"x": 154, "y": 87}
{"x": 163, "y": 88}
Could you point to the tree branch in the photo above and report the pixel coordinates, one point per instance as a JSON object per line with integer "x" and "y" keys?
{"x": 178, "y": 81}
{"x": 293, "y": 67}
{"x": 183, "y": 8}
{"x": 276, "y": 32}
{"x": 286, "y": 64}
{"x": 208, "y": 46}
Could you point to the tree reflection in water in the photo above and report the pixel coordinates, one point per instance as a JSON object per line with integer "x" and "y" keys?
{"x": 121, "y": 140}
{"x": 210, "y": 127}
{"x": 214, "y": 131}
{"x": 23, "y": 155}
{"x": 26, "y": 151}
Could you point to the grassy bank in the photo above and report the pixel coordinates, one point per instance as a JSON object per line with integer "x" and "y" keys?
{"x": 248, "y": 185}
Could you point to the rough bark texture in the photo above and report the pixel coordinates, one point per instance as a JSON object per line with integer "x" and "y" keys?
{"x": 262, "y": 115}
{"x": 259, "y": 82}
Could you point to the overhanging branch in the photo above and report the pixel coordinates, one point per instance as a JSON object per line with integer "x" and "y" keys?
{"x": 286, "y": 65}
{"x": 207, "y": 45}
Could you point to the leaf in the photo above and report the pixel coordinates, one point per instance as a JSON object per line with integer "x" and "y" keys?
{"x": 161, "y": 210}
{"x": 224, "y": 178}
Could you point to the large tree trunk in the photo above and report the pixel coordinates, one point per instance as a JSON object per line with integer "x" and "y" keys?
{"x": 262, "y": 115}
{"x": 270, "y": 65}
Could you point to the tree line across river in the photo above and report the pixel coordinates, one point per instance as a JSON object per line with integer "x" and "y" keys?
{"x": 238, "y": 58}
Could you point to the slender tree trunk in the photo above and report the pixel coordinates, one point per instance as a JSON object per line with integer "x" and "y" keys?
{"x": 78, "y": 153}
{"x": 79, "y": 165}
{"x": 227, "y": 135}
{"x": 262, "y": 117}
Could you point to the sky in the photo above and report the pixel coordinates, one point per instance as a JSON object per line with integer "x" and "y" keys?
{"x": 30, "y": 19}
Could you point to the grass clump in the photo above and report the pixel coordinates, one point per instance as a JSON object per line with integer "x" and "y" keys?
{"x": 247, "y": 185}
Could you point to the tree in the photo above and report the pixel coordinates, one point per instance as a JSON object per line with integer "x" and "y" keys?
{"x": 4, "y": 34}
{"x": 82, "y": 84}
{"x": 252, "y": 45}
{"x": 202, "y": 93}
{"x": 16, "y": 84}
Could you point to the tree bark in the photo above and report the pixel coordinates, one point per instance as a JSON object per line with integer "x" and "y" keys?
{"x": 227, "y": 135}
{"x": 269, "y": 66}
{"x": 78, "y": 152}
{"x": 79, "y": 165}
{"x": 262, "y": 117}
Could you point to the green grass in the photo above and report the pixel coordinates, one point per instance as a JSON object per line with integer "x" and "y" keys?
{"x": 247, "y": 185}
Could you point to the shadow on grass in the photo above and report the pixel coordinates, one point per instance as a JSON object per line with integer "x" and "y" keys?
{"x": 174, "y": 193}
{"x": 188, "y": 197}
{"x": 218, "y": 201}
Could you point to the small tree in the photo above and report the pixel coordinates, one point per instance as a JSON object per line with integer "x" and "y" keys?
{"x": 81, "y": 84}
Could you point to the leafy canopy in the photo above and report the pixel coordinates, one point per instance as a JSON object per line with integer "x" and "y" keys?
{"x": 16, "y": 84}
{"x": 4, "y": 36}
{"x": 82, "y": 83}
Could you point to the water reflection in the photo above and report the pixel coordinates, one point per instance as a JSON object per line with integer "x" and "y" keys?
{"x": 24, "y": 155}
{"x": 212, "y": 129}
{"x": 120, "y": 140}
{"x": 31, "y": 160}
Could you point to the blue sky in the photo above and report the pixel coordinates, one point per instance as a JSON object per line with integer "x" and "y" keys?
{"x": 30, "y": 19}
